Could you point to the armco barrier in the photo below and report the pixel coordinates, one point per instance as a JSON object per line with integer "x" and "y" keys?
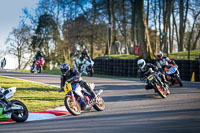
{"x": 124, "y": 67}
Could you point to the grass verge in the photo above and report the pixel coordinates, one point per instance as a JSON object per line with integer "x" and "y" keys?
{"x": 36, "y": 97}
{"x": 118, "y": 56}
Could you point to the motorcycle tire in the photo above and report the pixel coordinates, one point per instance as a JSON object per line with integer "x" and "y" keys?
{"x": 99, "y": 105}
{"x": 19, "y": 115}
{"x": 167, "y": 90}
{"x": 91, "y": 72}
{"x": 69, "y": 104}
{"x": 178, "y": 81}
{"x": 160, "y": 90}
{"x": 39, "y": 70}
{"x": 32, "y": 69}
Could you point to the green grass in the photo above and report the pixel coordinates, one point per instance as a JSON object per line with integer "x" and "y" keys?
{"x": 122, "y": 56}
{"x": 36, "y": 97}
{"x": 54, "y": 71}
{"x": 184, "y": 55}
{"x": 179, "y": 56}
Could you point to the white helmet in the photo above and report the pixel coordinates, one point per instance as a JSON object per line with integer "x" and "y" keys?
{"x": 141, "y": 63}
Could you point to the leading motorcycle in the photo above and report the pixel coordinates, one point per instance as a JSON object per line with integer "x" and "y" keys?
{"x": 13, "y": 109}
{"x": 37, "y": 65}
{"x": 78, "y": 98}
{"x": 156, "y": 83}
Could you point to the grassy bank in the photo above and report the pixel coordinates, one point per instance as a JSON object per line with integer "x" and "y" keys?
{"x": 36, "y": 97}
{"x": 178, "y": 56}
{"x": 184, "y": 55}
{"x": 122, "y": 56}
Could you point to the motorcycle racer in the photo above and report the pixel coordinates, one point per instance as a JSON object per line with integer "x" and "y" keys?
{"x": 144, "y": 70}
{"x": 38, "y": 55}
{"x": 163, "y": 61}
{"x": 3, "y": 63}
{"x": 79, "y": 63}
{"x": 73, "y": 76}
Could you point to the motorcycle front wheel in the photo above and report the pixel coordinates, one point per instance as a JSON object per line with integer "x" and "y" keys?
{"x": 32, "y": 69}
{"x": 99, "y": 105}
{"x": 39, "y": 69}
{"x": 160, "y": 90}
{"x": 19, "y": 115}
{"x": 73, "y": 109}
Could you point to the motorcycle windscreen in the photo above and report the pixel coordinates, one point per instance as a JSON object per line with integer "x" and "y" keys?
{"x": 77, "y": 89}
{"x": 9, "y": 92}
{"x": 172, "y": 70}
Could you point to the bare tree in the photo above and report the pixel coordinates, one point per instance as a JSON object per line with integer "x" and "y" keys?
{"x": 183, "y": 12}
{"x": 20, "y": 40}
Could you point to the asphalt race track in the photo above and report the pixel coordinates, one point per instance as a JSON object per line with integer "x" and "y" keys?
{"x": 129, "y": 109}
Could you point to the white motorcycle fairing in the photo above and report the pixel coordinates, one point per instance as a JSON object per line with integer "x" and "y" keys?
{"x": 9, "y": 92}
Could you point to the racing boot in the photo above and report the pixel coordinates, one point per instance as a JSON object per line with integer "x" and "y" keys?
{"x": 60, "y": 90}
{"x": 94, "y": 96}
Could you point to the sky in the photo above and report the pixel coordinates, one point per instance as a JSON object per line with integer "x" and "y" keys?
{"x": 10, "y": 12}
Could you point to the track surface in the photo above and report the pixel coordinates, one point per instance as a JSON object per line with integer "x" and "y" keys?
{"x": 129, "y": 108}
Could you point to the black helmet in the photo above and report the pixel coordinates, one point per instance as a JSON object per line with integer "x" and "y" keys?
{"x": 84, "y": 53}
{"x": 65, "y": 68}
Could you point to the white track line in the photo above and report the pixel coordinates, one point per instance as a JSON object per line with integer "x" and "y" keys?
{"x": 30, "y": 81}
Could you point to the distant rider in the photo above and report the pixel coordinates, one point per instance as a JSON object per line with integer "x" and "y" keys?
{"x": 163, "y": 61}
{"x": 78, "y": 63}
{"x": 73, "y": 76}
{"x": 3, "y": 63}
{"x": 37, "y": 56}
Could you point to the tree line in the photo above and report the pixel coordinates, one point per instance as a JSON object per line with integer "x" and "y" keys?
{"x": 62, "y": 28}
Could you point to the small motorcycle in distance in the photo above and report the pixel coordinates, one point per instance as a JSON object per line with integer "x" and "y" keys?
{"x": 13, "y": 109}
{"x": 37, "y": 66}
{"x": 173, "y": 75}
{"x": 78, "y": 98}
{"x": 86, "y": 66}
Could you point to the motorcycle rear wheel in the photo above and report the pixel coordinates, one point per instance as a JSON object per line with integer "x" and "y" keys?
{"x": 160, "y": 90}
{"x": 73, "y": 109}
{"x": 178, "y": 81}
{"x": 19, "y": 115}
{"x": 99, "y": 105}
{"x": 90, "y": 71}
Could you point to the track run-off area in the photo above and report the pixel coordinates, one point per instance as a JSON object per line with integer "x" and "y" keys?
{"x": 129, "y": 109}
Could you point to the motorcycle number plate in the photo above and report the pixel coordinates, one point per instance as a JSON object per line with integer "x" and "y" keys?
{"x": 150, "y": 77}
{"x": 68, "y": 88}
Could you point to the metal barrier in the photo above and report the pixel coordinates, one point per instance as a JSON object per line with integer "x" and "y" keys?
{"x": 125, "y": 67}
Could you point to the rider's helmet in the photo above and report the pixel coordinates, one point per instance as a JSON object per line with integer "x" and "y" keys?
{"x": 160, "y": 55}
{"x": 38, "y": 52}
{"x": 141, "y": 63}
{"x": 65, "y": 69}
{"x": 84, "y": 53}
